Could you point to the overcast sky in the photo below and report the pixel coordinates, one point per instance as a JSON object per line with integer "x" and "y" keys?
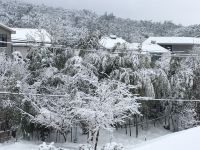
{"x": 184, "y": 12}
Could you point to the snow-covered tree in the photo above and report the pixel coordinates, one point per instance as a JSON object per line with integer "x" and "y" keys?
{"x": 111, "y": 103}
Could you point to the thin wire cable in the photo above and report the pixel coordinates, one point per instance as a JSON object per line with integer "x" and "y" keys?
{"x": 61, "y": 95}
{"x": 30, "y": 94}
{"x": 172, "y": 99}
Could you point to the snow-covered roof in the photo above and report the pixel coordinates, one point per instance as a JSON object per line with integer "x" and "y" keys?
{"x": 111, "y": 42}
{"x": 154, "y": 48}
{"x": 7, "y": 28}
{"x": 24, "y": 35}
{"x": 174, "y": 40}
{"x": 151, "y": 48}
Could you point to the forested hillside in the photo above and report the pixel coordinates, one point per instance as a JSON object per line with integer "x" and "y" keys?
{"x": 78, "y": 24}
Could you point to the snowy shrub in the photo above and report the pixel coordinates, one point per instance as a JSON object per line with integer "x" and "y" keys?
{"x": 44, "y": 146}
{"x": 17, "y": 56}
{"x": 51, "y": 146}
{"x": 113, "y": 146}
{"x": 85, "y": 147}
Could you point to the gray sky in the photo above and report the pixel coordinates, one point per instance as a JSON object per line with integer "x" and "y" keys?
{"x": 185, "y": 12}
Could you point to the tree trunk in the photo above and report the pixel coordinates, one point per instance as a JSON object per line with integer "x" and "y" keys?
{"x": 130, "y": 127}
{"x": 64, "y": 136}
{"x": 56, "y": 136}
{"x": 126, "y": 129}
{"x": 96, "y": 140}
{"x": 136, "y": 126}
{"x": 71, "y": 135}
{"x": 173, "y": 124}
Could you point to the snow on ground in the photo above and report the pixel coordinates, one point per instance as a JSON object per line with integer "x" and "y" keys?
{"x": 184, "y": 140}
{"x": 19, "y": 146}
{"x": 118, "y": 136}
{"x": 127, "y": 141}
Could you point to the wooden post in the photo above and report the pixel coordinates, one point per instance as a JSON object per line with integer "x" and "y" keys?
{"x": 126, "y": 129}
{"x": 71, "y": 135}
{"x": 136, "y": 126}
{"x": 130, "y": 127}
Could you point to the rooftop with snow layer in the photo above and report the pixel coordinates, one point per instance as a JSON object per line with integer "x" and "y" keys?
{"x": 173, "y": 40}
{"x": 109, "y": 42}
{"x": 24, "y": 35}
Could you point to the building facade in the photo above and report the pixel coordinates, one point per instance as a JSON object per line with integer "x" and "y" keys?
{"x": 22, "y": 39}
{"x": 5, "y": 39}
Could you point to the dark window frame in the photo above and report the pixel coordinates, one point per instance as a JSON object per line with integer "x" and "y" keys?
{"x": 168, "y": 47}
{"x": 3, "y": 40}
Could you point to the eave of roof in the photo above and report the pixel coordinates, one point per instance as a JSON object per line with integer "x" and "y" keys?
{"x": 7, "y": 28}
{"x": 154, "y": 48}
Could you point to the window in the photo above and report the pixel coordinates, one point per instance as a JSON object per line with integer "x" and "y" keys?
{"x": 3, "y": 40}
{"x": 169, "y": 47}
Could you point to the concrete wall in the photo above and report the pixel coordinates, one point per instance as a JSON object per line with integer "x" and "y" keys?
{"x": 7, "y": 49}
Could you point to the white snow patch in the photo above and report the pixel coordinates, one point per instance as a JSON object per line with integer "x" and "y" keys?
{"x": 173, "y": 40}
{"x": 113, "y": 146}
{"x": 184, "y": 140}
{"x": 118, "y": 136}
{"x": 110, "y": 42}
{"x": 19, "y": 146}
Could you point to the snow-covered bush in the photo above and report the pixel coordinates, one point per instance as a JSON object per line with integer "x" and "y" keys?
{"x": 113, "y": 146}
{"x": 51, "y": 146}
{"x": 85, "y": 147}
{"x": 17, "y": 56}
{"x": 44, "y": 146}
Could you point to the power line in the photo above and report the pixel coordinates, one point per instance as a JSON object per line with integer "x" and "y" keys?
{"x": 172, "y": 99}
{"x": 16, "y": 41}
{"x": 62, "y": 95}
{"x": 32, "y": 94}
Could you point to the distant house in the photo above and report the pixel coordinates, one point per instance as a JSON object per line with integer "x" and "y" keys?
{"x": 5, "y": 39}
{"x": 111, "y": 42}
{"x": 25, "y": 38}
{"x": 22, "y": 39}
{"x": 115, "y": 43}
{"x": 175, "y": 44}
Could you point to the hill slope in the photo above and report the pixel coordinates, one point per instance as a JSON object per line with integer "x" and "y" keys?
{"x": 72, "y": 25}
